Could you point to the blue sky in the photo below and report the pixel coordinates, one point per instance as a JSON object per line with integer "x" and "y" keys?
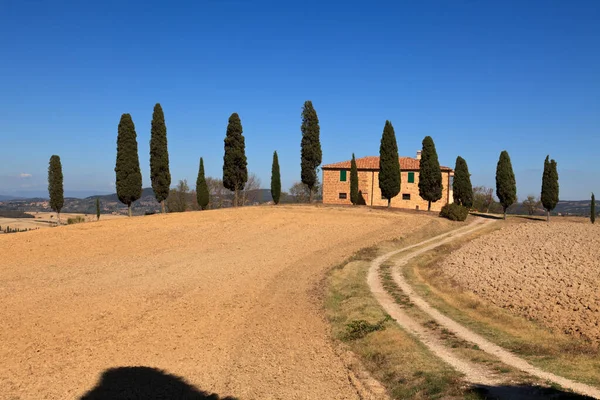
{"x": 479, "y": 77}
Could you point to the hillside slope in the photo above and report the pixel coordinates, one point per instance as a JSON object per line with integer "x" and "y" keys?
{"x": 225, "y": 299}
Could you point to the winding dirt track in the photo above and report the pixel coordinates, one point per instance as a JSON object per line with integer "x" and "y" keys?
{"x": 224, "y": 299}
{"x": 474, "y": 373}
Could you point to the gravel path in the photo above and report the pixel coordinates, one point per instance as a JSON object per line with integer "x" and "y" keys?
{"x": 474, "y": 373}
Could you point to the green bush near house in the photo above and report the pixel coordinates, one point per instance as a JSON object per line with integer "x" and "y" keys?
{"x": 454, "y": 212}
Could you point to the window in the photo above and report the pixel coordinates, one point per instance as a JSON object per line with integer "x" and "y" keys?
{"x": 451, "y": 180}
{"x": 411, "y": 177}
{"x": 405, "y": 196}
{"x": 343, "y": 175}
{"x": 343, "y": 196}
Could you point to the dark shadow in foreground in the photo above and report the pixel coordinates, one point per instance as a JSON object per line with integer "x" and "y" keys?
{"x": 137, "y": 383}
{"x": 525, "y": 392}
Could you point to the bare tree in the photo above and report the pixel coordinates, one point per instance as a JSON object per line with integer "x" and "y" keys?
{"x": 249, "y": 194}
{"x": 532, "y": 204}
{"x": 483, "y": 198}
{"x": 299, "y": 192}
{"x": 177, "y": 200}
{"x": 219, "y": 195}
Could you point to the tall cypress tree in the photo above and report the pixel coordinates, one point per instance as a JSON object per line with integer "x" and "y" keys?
{"x": 462, "y": 190}
{"x": 275, "y": 179}
{"x": 549, "y": 186}
{"x": 235, "y": 166}
{"x": 310, "y": 147}
{"x": 353, "y": 181}
{"x": 159, "y": 157}
{"x": 97, "y": 208}
{"x": 202, "y": 194}
{"x": 389, "y": 164}
{"x": 430, "y": 175}
{"x": 129, "y": 176}
{"x": 506, "y": 185}
{"x": 55, "y": 185}
{"x": 593, "y": 209}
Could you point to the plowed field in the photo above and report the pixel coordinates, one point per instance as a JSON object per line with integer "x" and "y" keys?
{"x": 547, "y": 272}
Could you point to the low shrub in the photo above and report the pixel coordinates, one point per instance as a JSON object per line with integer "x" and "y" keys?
{"x": 358, "y": 329}
{"x": 454, "y": 212}
{"x": 75, "y": 220}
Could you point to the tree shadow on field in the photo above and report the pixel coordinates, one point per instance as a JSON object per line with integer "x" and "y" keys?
{"x": 488, "y": 216}
{"x": 531, "y": 217}
{"x": 361, "y": 199}
{"x": 525, "y": 392}
{"x": 145, "y": 383}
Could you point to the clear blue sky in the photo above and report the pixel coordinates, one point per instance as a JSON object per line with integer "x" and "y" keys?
{"x": 477, "y": 76}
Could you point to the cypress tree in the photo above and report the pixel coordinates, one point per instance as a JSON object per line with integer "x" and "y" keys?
{"x": 389, "y": 164}
{"x": 593, "y": 209}
{"x": 430, "y": 175}
{"x": 506, "y": 185}
{"x": 310, "y": 147}
{"x": 55, "y": 185}
{"x": 462, "y": 190}
{"x": 353, "y": 181}
{"x": 127, "y": 169}
{"x": 97, "y": 209}
{"x": 202, "y": 194}
{"x": 549, "y": 195}
{"x": 235, "y": 166}
{"x": 275, "y": 179}
{"x": 160, "y": 175}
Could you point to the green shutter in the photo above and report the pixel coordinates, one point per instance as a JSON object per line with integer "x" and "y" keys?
{"x": 411, "y": 177}
{"x": 343, "y": 175}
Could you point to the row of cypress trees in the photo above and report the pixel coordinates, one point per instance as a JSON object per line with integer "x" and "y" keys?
{"x": 235, "y": 165}
{"x": 128, "y": 173}
{"x": 506, "y": 186}
{"x": 235, "y": 171}
{"x": 430, "y": 175}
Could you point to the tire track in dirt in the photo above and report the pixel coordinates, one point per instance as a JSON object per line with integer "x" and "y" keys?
{"x": 474, "y": 373}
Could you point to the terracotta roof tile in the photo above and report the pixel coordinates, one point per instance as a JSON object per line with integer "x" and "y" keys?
{"x": 372, "y": 163}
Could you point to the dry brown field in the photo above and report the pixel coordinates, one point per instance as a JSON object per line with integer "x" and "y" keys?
{"x": 48, "y": 220}
{"x": 229, "y": 300}
{"x": 545, "y": 272}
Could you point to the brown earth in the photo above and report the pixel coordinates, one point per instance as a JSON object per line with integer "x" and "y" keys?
{"x": 546, "y": 272}
{"x": 48, "y": 220}
{"x": 227, "y": 300}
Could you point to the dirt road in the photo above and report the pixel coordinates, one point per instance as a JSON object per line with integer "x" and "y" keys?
{"x": 224, "y": 299}
{"x": 474, "y": 373}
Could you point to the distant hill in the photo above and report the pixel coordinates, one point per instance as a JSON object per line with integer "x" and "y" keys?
{"x": 576, "y": 207}
{"x": 110, "y": 204}
{"x": 7, "y": 198}
{"x": 565, "y": 207}
{"x": 146, "y": 192}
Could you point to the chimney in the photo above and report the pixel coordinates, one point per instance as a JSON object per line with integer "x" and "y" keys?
{"x": 419, "y": 155}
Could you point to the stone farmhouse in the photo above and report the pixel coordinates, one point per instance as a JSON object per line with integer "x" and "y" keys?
{"x": 336, "y": 184}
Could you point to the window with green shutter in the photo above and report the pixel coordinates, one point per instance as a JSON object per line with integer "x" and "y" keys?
{"x": 343, "y": 175}
{"x": 411, "y": 177}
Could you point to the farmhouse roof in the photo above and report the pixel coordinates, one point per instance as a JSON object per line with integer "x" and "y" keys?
{"x": 372, "y": 163}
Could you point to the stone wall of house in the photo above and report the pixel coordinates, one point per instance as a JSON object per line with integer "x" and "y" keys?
{"x": 368, "y": 184}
